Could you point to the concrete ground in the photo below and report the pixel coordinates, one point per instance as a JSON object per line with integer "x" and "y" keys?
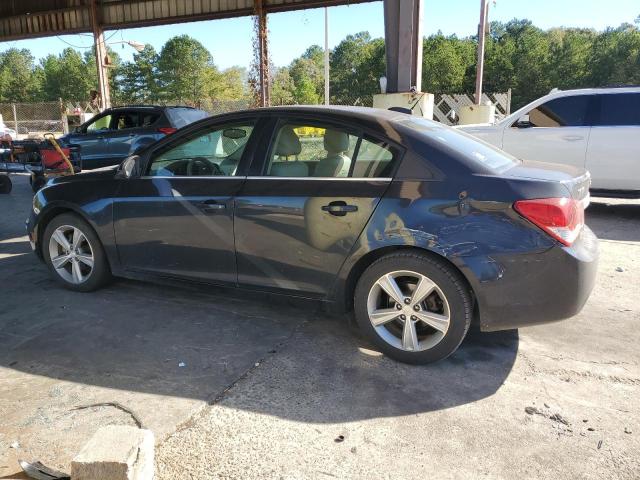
{"x": 270, "y": 389}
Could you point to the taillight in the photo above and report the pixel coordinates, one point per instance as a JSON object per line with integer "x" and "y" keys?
{"x": 562, "y": 218}
{"x": 167, "y": 130}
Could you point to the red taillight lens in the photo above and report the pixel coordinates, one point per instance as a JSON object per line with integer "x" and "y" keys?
{"x": 167, "y": 130}
{"x": 562, "y": 218}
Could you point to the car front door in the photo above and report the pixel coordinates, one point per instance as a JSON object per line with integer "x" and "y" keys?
{"x": 125, "y": 129}
{"x": 613, "y": 155}
{"x": 556, "y": 131}
{"x": 305, "y": 204}
{"x": 92, "y": 140}
{"x": 177, "y": 218}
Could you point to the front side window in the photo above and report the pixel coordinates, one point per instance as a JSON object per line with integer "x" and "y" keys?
{"x": 214, "y": 152}
{"x": 101, "y": 123}
{"x": 561, "y": 112}
{"x": 308, "y": 150}
{"x": 619, "y": 109}
{"x": 125, "y": 120}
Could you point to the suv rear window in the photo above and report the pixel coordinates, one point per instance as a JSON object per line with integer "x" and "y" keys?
{"x": 619, "y": 109}
{"x": 487, "y": 155}
{"x": 181, "y": 117}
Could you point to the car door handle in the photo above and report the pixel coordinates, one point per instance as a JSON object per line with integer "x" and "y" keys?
{"x": 100, "y": 137}
{"x": 339, "y": 208}
{"x": 572, "y": 138}
{"x": 209, "y": 206}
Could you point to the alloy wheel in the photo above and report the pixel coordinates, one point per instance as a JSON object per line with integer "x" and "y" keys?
{"x": 71, "y": 254}
{"x": 408, "y": 310}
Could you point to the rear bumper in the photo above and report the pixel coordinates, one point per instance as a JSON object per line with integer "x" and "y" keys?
{"x": 529, "y": 289}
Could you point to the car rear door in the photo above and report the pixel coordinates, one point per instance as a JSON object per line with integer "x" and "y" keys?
{"x": 306, "y": 202}
{"x": 556, "y": 131}
{"x": 177, "y": 219}
{"x": 613, "y": 154}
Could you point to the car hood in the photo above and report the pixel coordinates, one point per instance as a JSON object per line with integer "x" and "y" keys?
{"x": 104, "y": 173}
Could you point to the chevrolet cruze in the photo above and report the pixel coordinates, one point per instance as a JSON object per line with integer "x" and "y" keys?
{"x": 418, "y": 228}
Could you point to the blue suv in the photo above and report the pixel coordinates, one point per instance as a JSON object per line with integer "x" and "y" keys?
{"x": 114, "y": 134}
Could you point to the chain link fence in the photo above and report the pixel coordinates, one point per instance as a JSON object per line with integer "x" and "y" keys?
{"x": 35, "y": 119}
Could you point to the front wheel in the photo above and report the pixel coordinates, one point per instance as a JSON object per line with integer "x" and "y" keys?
{"x": 415, "y": 308}
{"x": 74, "y": 254}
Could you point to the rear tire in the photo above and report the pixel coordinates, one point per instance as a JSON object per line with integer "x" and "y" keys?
{"x": 414, "y": 307}
{"x": 74, "y": 254}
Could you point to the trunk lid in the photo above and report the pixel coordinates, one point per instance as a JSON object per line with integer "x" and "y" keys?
{"x": 575, "y": 179}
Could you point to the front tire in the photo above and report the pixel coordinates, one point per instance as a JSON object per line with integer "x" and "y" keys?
{"x": 74, "y": 254}
{"x": 416, "y": 308}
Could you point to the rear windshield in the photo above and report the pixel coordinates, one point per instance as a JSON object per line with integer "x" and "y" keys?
{"x": 476, "y": 150}
{"x": 181, "y": 117}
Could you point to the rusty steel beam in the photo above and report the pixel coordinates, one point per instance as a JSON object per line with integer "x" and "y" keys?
{"x": 101, "y": 53}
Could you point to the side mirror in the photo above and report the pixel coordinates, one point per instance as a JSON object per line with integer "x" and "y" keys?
{"x": 523, "y": 122}
{"x": 130, "y": 167}
{"x": 76, "y": 130}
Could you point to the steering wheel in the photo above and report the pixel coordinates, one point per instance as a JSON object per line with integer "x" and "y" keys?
{"x": 200, "y": 166}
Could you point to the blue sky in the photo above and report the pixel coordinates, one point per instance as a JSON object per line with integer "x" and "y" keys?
{"x": 292, "y": 32}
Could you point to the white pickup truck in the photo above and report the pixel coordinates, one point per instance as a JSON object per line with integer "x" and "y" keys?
{"x": 596, "y": 128}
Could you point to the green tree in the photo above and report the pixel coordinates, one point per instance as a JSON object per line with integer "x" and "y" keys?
{"x": 68, "y": 76}
{"x": 357, "y": 63}
{"x": 185, "y": 70}
{"x": 446, "y": 61}
{"x": 139, "y": 79}
{"x": 282, "y": 88}
{"x": 18, "y": 79}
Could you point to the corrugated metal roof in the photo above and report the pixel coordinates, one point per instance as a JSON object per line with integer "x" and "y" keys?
{"x": 21, "y": 19}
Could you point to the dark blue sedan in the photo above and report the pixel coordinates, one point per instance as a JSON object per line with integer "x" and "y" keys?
{"x": 419, "y": 229}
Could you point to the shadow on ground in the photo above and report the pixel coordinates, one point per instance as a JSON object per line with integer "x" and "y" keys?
{"x": 610, "y": 219}
{"x": 194, "y": 344}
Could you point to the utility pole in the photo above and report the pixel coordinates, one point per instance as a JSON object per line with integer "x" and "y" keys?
{"x": 265, "y": 93}
{"x": 482, "y": 27}
{"x": 101, "y": 53}
{"x": 326, "y": 55}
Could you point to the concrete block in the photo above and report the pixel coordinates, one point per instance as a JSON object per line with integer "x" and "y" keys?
{"x": 116, "y": 452}
{"x": 477, "y": 114}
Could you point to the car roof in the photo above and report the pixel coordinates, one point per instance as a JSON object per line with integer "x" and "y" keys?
{"x": 595, "y": 90}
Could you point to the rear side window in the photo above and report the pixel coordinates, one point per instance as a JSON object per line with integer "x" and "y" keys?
{"x": 316, "y": 150}
{"x": 181, "y": 117}
{"x": 375, "y": 159}
{"x": 619, "y": 109}
{"x": 561, "y": 112}
{"x": 147, "y": 119}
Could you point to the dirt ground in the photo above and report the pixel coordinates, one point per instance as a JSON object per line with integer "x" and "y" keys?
{"x": 272, "y": 389}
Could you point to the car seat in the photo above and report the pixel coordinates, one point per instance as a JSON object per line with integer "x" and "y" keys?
{"x": 336, "y": 163}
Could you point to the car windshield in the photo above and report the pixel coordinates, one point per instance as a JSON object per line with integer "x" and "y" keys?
{"x": 489, "y": 156}
{"x": 181, "y": 117}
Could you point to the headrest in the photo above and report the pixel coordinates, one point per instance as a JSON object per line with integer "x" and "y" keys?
{"x": 335, "y": 142}
{"x": 288, "y": 142}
